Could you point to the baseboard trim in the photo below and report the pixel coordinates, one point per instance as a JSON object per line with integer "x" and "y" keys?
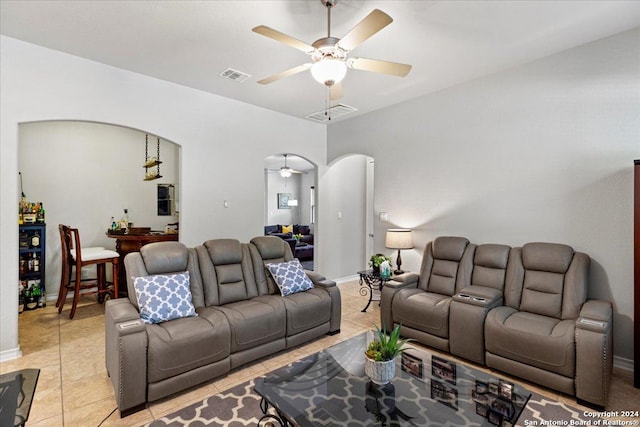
{"x": 12, "y": 353}
{"x": 623, "y": 363}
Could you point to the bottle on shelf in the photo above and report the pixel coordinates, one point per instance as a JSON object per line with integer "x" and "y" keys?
{"x": 114, "y": 225}
{"x": 40, "y": 214}
{"x": 35, "y": 240}
{"x": 36, "y": 263}
{"x": 124, "y": 222}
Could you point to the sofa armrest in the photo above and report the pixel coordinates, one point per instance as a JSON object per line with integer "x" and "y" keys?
{"x": 315, "y": 277}
{"x": 389, "y": 291}
{"x": 594, "y": 352}
{"x": 595, "y": 316}
{"x": 126, "y": 354}
{"x": 336, "y": 303}
{"x": 407, "y": 278}
{"x": 481, "y": 296}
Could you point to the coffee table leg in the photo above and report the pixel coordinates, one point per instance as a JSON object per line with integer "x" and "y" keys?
{"x": 267, "y": 420}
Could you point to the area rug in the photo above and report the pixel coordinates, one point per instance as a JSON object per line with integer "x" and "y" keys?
{"x": 240, "y": 406}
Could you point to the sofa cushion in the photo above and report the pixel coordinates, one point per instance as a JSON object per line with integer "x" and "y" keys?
{"x": 268, "y": 229}
{"x": 304, "y": 230}
{"x": 182, "y": 345}
{"x": 552, "y": 257}
{"x": 287, "y": 229}
{"x": 165, "y": 257}
{"x": 306, "y": 310}
{"x": 255, "y": 321}
{"x": 425, "y": 311}
{"x": 163, "y": 297}
{"x": 290, "y": 277}
{"x": 449, "y": 248}
{"x": 541, "y": 341}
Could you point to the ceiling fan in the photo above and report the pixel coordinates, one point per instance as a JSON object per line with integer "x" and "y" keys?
{"x": 285, "y": 171}
{"x": 330, "y": 55}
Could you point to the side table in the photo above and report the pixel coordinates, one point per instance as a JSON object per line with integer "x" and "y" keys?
{"x": 371, "y": 284}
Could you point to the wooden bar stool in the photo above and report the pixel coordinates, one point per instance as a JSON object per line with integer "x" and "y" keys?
{"x": 74, "y": 256}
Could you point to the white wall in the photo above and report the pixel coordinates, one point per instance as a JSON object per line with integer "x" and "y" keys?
{"x": 85, "y": 173}
{"x": 543, "y": 152}
{"x": 343, "y": 217}
{"x": 39, "y": 84}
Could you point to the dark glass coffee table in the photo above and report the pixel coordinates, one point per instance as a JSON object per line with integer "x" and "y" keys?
{"x": 330, "y": 388}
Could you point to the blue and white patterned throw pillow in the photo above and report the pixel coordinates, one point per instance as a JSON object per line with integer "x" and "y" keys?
{"x": 163, "y": 297}
{"x": 290, "y": 277}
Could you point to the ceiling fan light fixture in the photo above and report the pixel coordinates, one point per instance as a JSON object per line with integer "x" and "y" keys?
{"x": 285, "y": 172}
{"x": 329, "y": 71}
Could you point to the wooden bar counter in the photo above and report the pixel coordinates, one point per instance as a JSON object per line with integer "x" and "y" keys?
{"x": 127, "y": 243}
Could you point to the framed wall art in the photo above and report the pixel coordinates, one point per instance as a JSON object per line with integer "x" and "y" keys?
{"x": 283, "y": 200}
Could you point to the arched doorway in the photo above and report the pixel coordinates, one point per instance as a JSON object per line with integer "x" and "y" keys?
{"x": 85, "y": 173}
{"x": 290, "y": 202}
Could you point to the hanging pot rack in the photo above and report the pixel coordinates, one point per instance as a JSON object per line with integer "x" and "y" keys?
{"x": 152, "y": 162}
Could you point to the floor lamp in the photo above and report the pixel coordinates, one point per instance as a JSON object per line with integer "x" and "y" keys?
{"x": 398, "y": 238}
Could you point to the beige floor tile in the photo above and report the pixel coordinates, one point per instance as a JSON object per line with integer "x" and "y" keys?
{"x": 90, "y": 414}
{"x": 49, "y": 422}
{"x": 47, "y": 404}
{"x": 86, "y": 391}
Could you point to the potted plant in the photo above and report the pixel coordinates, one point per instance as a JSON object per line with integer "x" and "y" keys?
{"x": 376, "y": 260}
{"x": 380, "y": 356}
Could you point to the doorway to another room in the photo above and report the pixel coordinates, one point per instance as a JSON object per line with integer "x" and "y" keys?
{"x": 290, "y": 204}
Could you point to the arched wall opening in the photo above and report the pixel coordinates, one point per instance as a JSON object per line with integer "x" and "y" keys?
{"x": 85, "y": 173}
{"x": 291, "y": 201}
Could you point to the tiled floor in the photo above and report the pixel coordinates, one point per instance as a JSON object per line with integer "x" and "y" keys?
{"x": 74, "y": 389}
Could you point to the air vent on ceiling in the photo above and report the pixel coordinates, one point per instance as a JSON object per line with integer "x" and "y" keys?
{"x": 235, "y": 75}
{"x": 331, "y": 113}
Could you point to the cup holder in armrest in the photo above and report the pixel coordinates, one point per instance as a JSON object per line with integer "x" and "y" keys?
{"x": 477, "y": 300}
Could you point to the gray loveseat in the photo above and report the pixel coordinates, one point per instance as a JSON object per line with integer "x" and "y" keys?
{"x": 523, "y": 311}
{"x": 241, "y": 317}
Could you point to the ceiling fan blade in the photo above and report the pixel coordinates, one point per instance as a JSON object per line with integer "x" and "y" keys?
{"x": 378, "y": 66}
{"x": 335, "y": 91}
{"x": 371, "y": 24}
{"x": 283, "y": 74}
{"x": 283, "y": 38}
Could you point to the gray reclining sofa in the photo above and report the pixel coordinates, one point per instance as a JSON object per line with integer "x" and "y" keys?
{"x": 241, "y": 317}
{"x": 523, "y": 311}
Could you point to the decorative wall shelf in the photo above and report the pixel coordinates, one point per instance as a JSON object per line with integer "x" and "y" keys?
{"x": 153, "y": 162}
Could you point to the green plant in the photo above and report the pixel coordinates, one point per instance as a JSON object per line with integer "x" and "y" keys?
{"x": 378, "y": 259}
{"x": 386, "y": 347}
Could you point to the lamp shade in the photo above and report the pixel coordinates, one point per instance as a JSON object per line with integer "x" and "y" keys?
{"x": 398, "y": 238}
{"x": 329, "y": 71}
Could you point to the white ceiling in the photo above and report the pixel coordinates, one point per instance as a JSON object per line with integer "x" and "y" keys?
{"x": 192, "y": 42}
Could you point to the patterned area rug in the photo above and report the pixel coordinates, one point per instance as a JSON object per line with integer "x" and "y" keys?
{"x": 240, "y": 406}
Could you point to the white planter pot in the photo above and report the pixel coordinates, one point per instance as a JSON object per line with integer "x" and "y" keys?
{"x": 380, "y": 372}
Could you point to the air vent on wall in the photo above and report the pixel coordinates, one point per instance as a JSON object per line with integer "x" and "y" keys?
{"x": 331, "y": 113}
{"x": 235, "y": 75}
